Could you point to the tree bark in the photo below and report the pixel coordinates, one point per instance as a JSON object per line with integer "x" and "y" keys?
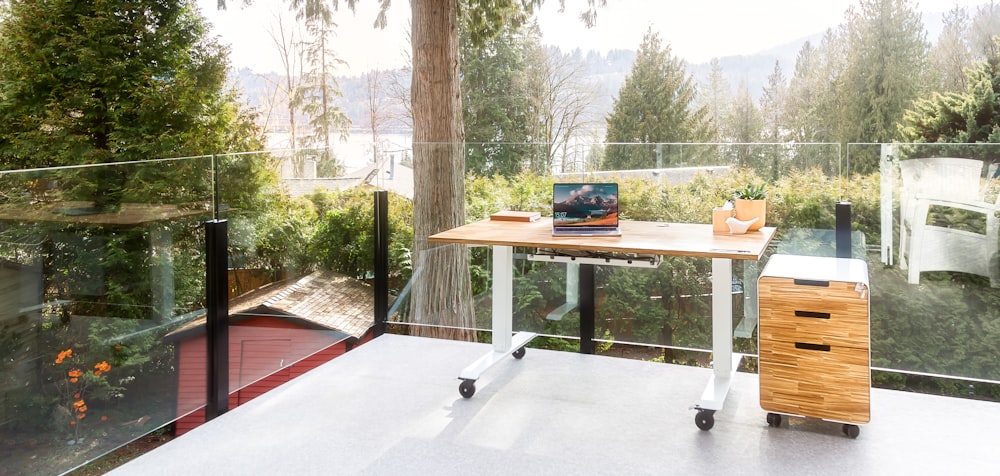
{"x": 442, "y": 294}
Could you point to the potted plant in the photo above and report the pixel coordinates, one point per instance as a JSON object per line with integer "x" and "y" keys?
{"x": 749, "y": 202}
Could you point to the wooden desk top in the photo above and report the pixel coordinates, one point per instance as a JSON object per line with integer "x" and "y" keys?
{"x": 642, "y": 237}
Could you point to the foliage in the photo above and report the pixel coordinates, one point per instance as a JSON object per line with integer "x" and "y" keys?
{"x": 344, "y": 240}
{"x": 751, "y": 191}
{"x": 318, "y": 89}
{"x": 854, "y": 87}
{"x": 495, "y": 104}
{"x": 77, "y": 385}
{"x": 968, "y": 116}
{"x": 113, "y": 81}
{"x": 656, "y": 104}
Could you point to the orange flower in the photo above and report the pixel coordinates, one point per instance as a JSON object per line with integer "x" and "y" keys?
{"x": 79, "y": 403}
{"x": 82, "y": 409}
{"x": 104, "y": 418}
{"x": 76, "y": 395}
{"x": 74, "y": 373}
{"x": 73, "y": 422}
{"x": 63, "y": 355}
{"x": 118, "y": 347}
{"x": 102, "y": 367}
{"x": 81, "y": 416}
{"x": 74, "y": 380}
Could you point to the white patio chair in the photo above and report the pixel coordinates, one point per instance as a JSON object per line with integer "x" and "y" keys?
{"x": 954, "y": 183}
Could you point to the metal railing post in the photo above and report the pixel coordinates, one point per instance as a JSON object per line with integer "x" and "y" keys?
{"x": 217, "y": 310}
{"x": 381, "y": 224}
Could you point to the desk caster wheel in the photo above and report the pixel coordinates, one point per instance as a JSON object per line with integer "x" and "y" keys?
{"x": 467, "y": 388}
{"x": 705, "y": 419}
{"x": 852, "y": 431}
{"x": 773, "y": 420}
{"x": 519, "y": 353}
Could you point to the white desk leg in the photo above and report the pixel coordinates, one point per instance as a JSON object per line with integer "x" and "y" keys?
{"x": 503, "y": 297}
{"x": 724, "y": 363}
{"x": 504, "y": 343}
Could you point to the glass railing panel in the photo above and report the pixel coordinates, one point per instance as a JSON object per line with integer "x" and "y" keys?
{"x": 683, "y": 182}
{"x": 102, "y": 269}
{"x": 936, "y": 274}
{"x": 687, "y": 182}
{"x": 301, "y": 263}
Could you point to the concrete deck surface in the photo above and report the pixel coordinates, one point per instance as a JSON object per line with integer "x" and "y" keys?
{"x": 392, "y": 407}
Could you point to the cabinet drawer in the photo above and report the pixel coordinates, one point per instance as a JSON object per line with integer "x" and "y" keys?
{"x": 829, "y": 382}
{"x": 833, "y": 312}
{"x": 811, "y": 326}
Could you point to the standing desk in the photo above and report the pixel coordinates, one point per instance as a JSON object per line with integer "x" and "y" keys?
{"x": 638, "y": 237}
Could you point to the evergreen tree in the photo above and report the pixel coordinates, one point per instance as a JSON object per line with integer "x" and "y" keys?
{"x": 968, "y": 116}
{"x": 319, "y": 87}
{"x": 716, "y": 99}
{"x": 985, "y": 25}
{"x": 803, "y": 89}
{"x": 495, "y": 106}
{"x": 87, "y": 83}
{"x": 887, "y": 52}
{"x": 772, "y": 107}
{"x": 656, "y": 104}
{"x": 951, "y": 54}
{"x": 747, "y": 127}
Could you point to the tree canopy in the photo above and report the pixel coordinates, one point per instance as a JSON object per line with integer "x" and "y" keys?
{"x": 972, "y": 115}
{"x": 86, "y": 82}
{"x": 657, "y": 104}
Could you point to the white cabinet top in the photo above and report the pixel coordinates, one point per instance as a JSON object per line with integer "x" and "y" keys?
{"x": 817, "y": 268}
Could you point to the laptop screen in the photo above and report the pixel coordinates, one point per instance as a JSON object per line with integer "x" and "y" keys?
{"x": 585, "y": 205}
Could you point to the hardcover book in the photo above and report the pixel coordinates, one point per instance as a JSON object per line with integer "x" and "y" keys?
{"x": 513, "y": 215}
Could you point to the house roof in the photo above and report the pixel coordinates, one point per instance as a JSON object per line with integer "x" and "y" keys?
{"x": 329, "y": 299}
{"x": 322, "y": 300}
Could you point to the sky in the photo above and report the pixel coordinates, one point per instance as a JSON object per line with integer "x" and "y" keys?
{"x": 696, "y": 31}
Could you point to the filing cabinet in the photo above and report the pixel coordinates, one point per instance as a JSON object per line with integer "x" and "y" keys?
{"x": 813, "y": 339}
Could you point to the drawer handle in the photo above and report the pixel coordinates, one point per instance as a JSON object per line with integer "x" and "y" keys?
{"x": 807, "y": 346}
{"x": 817, "y": 315}
{"x": 811, "y": 282}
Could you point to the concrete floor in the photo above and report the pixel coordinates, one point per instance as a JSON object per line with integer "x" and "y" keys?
{"x": 392, "y": 407}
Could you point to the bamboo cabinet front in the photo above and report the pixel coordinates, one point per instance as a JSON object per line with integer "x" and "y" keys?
{"x": 814, "y": 338}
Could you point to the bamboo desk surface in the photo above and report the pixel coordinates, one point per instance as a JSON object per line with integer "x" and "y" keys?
{"x": 642, "y": 237}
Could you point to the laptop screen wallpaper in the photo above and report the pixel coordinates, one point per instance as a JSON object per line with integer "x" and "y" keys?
{"x": 585, "y": 204}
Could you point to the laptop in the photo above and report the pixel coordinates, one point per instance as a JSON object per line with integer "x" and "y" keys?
{"x": 585, "y": 209}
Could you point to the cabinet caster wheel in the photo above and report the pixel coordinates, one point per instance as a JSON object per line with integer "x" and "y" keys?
{"x": 852, "y": 431}
{"x": 705, "y": 419}
{"x": 773, "y": 420}
{"x": 519, "y": 353}
{"x": 467, "y": 388}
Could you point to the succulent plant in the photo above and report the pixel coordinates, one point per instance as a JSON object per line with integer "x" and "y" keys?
{"x": 751, "y": 192}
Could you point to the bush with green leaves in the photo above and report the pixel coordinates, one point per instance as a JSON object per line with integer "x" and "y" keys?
{"x": 344, "y": 237}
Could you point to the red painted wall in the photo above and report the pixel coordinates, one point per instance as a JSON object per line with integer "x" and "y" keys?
{"x": 264, "y": 352}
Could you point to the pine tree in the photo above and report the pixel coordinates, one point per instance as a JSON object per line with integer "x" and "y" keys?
{"x": 319, "y": 88}
{"x": 747, "y": 126}
{"x": 86, "y": 82}
{"x": 951, "y": 54}
{"x": 887, "y": 51}
{"x": 656, "y": 104}
{"x": 495, "y": 101}
{"x": 772, "y": 104}
{"x": 968, "y": 116}
{"x": 716, "y": 99}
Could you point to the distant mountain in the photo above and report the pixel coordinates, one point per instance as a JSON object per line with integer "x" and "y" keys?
{"x": 607, "y": 72}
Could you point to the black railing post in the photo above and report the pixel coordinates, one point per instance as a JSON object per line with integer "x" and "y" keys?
{"x": 217, "y": 310}
{"x": 844, "y": 249}
{"x": 381, "y": 262}
{"x": 587, "y": 307}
